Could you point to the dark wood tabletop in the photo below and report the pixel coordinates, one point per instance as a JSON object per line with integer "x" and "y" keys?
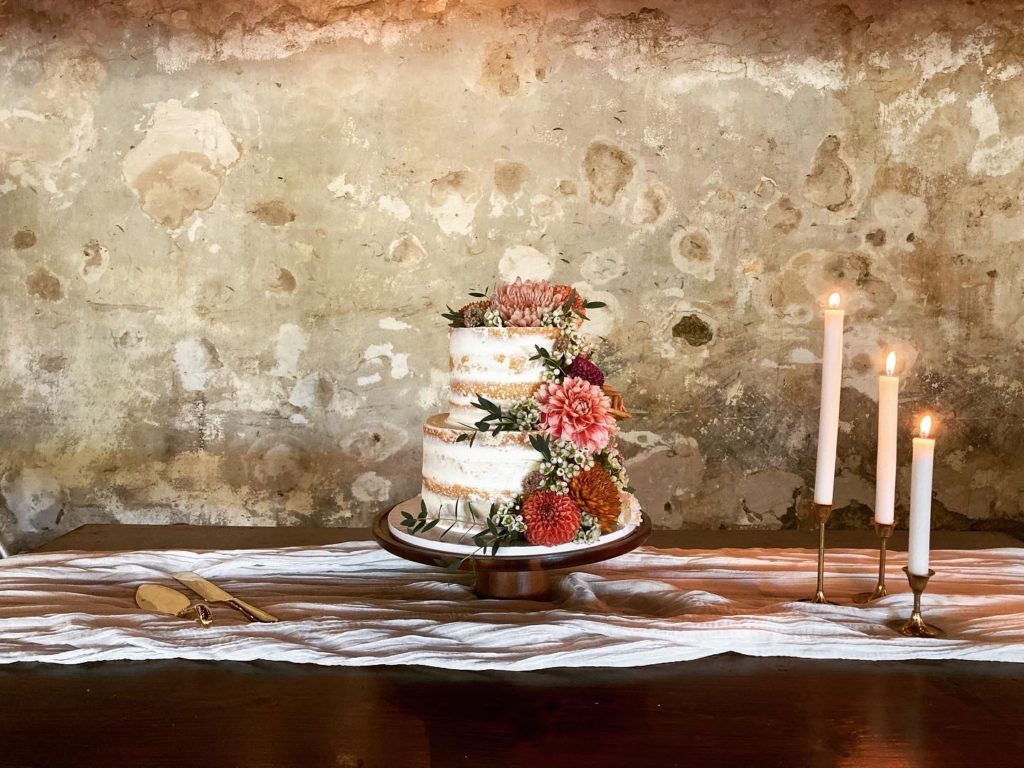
{"x": 727, "y": 710}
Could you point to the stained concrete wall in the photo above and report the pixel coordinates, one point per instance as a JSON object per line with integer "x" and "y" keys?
{"x": 227, "y": 230}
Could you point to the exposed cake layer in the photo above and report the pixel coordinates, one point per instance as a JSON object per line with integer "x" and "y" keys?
{"x": 494, "y": 363}
{"x": 490, "y": 470}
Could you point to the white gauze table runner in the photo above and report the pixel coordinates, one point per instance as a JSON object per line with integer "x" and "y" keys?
{"x": 354, "y": 604}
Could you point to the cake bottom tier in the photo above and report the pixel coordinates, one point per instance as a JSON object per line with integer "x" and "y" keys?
{"x": 464, "y": 480}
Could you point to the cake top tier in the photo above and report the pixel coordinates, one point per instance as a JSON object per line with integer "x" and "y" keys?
{"x": 494, "y": 363}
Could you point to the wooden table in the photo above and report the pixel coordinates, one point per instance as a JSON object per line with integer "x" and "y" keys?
{"x": 727, "y": 710}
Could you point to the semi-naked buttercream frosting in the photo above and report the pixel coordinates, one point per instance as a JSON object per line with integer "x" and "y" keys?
{"x": 494, "y": 363}
{"x": 489, "y": 471}
{"x": 497, "y": 364}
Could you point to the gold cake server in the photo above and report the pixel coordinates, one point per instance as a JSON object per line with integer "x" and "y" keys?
{"x": 213, "y": 593}
{"x": 156, "y": 597}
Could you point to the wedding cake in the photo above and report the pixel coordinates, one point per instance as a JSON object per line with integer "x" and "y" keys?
{"x": 526, "y": 452}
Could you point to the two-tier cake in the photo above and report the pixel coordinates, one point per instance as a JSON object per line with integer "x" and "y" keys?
{"x": 526, "y": 452}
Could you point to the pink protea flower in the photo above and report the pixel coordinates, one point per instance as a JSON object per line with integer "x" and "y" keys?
{"x": 523, "y": 302}
{"x": 576, "y": 410}
{"x": 550, "y": 518}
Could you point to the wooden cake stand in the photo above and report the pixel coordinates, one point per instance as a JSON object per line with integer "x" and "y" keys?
{"x": 507, "y": 576}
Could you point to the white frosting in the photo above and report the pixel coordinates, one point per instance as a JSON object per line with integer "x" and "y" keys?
{"x": 494, "y": 363}
{"x": 491, "y": 470}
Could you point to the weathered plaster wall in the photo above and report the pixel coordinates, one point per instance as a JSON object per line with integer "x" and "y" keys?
{"x": 227, "y": 229}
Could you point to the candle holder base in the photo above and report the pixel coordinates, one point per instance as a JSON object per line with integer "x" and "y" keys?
{"x": 862, "y": 598}
{"x": 822, "y": 512}
{"x": 818, "y": 599}
{"x": 916, "y": 626}
{"x": 884, "y": 532}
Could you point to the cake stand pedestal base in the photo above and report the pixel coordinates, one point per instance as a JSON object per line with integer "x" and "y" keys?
{"x": 513, "y": 585}
{"x": 507, "y": 576}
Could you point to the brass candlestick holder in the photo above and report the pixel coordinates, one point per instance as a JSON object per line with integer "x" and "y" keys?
{"x": 823, "y": 512}
{"x": 916, "y": 626}
{"x": 884, "y": 532}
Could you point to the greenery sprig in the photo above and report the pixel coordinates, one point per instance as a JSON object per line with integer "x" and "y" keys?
{"x": 541, "y": 445}
{"x": 419, "y": 523}
{"x": 467, "y": 437}
{"x": 492, "y": 534}
{"x": 549, "y": 361}
{"x": 497, "y": 419}
{"x": 570, "y": 304}
{"x": 454, "y": 318}
{"x": 495, "y": 535}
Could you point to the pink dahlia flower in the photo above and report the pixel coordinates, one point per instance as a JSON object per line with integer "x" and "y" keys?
{"x": 523, "y": 303}
{"x": 576, "y": 410}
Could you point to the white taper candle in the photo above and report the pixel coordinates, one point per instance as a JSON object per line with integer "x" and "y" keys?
{"x": 885, "y": 461}
{"x": 828, "y": 419}
{"x": 921, "y": 500}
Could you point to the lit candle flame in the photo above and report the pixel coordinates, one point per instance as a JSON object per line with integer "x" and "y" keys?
{"x": 926, "y": 426}
{"x": 890, "y": 363}
{"x": 833, "y": 301}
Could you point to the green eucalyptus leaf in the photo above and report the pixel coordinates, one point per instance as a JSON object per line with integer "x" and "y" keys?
{"x": 569, "y": 301}
{"x": 488, "y": 404}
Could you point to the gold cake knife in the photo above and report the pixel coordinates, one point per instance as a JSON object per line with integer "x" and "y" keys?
{"x": 213, "y": 593}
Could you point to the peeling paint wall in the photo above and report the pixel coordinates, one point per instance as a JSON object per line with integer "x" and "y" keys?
{"x": 227, "y": 230}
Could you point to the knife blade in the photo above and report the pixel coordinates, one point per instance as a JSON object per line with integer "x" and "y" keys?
{"x": 211, "y": 592}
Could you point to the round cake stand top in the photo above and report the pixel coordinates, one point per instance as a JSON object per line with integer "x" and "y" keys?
{"x": 523, "y": 578}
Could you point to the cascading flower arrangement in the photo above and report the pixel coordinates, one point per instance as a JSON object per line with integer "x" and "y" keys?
{"x": 580, "y": 489}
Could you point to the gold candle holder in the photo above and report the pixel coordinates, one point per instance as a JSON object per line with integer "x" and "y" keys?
{"x": 823, "y": 512}
{"x": 884, "y": 532}
{"x": 916, "y": 626}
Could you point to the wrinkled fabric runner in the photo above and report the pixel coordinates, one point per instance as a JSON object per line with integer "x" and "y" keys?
{"x": 354, "y": 604}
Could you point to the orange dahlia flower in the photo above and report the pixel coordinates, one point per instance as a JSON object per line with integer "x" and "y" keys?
{"x": 595, "y": 493}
